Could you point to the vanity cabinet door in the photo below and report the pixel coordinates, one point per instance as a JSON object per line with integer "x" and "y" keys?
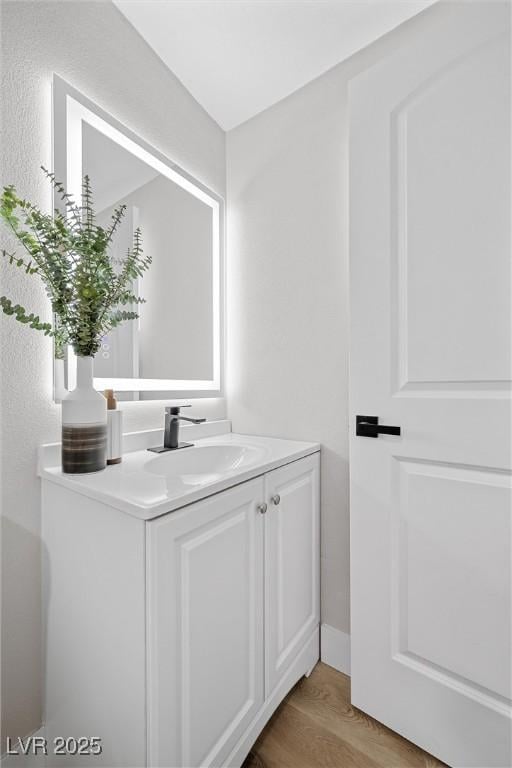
{"x": 291, "y": 564}
{"x": 205, "y": 627}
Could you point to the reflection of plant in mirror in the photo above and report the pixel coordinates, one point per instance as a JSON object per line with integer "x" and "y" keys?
{"x": 70, "y": 254}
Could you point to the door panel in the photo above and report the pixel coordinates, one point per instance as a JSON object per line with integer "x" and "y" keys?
{"x": 451, "y": 213}
{"x": 205, "y": 627}
{"x": 430, "y": 351}
{"x": 291, "y": 564}
{"x": 441, "y": 533}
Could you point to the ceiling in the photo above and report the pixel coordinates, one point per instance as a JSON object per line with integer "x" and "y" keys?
{"x": 238, "y": 57}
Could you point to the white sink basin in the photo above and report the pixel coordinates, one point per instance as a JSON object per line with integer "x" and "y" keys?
{"x": 147, "y": 485}
{"x": 203, "y": 463}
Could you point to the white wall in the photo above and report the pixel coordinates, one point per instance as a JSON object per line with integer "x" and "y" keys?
{"x": 287, "y": 296}
{"x": 91, "y": 45}
{"x": 287, "y": 174}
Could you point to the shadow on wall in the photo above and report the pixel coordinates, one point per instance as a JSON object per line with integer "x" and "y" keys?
{"x": 334, "y": 539}
{"x": 21, "y": 607}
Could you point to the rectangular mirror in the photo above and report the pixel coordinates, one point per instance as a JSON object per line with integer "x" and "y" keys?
{"x": 175, "y": 347}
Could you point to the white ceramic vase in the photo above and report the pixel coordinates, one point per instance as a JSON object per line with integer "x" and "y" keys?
{"x": 84, "y": 424}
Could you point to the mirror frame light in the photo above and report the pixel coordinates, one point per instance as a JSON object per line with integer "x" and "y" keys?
{"x": 70, "y": 110}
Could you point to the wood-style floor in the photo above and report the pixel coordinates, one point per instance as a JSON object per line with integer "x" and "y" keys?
{"x": 317, "y": 727}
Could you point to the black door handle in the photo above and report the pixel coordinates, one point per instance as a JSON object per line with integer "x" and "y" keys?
{"x": 368, "y": 426}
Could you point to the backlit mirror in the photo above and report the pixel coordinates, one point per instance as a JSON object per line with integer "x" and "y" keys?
{"x": 174, "y": 348}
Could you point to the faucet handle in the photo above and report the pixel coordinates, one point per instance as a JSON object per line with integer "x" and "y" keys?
{"x": 174, "y": 410}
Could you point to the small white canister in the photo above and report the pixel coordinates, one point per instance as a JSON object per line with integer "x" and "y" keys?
{"x": 114, "y": 429}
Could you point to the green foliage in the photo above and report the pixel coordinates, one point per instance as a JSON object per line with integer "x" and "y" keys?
{"x": 70, "y": 254}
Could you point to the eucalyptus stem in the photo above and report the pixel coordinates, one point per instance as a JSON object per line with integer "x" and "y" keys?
{"x": 70, "y": 255}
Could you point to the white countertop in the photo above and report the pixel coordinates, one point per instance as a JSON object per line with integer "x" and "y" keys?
{"x": 136, "y": 488}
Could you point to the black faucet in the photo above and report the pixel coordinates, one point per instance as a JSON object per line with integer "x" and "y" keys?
{"x": 171, "y": 430}
{"x": 172, "y": 427}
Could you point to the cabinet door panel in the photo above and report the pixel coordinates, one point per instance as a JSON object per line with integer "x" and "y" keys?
{"x": 291, "y": 564}
{"x": 205, "y": 627}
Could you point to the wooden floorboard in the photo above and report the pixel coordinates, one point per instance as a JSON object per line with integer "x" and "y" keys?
{"x": 317, "y": 727}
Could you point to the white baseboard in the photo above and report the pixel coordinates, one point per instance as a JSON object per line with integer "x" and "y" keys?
{"x": 335, "y": 648}
{"x": 29, "y": 760}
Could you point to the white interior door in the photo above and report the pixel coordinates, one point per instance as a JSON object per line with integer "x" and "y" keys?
{"x": 430, "y": 352}
{"x": 292, "y": 528}
{"x": 205, "y": 627}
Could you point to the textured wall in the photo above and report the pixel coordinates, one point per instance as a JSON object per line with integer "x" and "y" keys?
{"x": 287, "y": 177}
{"x": 92, "y": 46}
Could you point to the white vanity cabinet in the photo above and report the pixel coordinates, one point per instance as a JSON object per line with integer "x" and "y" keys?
{"x": 218, "y": 620}
{"x": 291, "y": 565}
{"x": 205, "y": 627}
